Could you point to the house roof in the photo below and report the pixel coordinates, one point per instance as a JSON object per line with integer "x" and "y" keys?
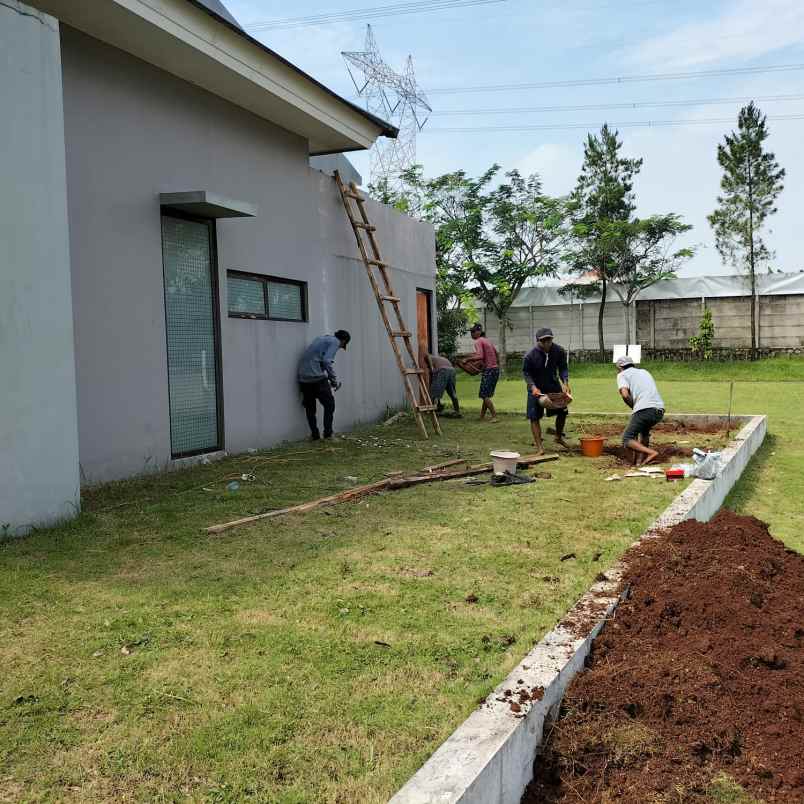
{"x": 201, "y": 42}
{"x": 220, "y": 9}
{"x": 683, "y": 287}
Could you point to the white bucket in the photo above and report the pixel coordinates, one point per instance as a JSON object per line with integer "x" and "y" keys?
{"x": 503, "y": 461}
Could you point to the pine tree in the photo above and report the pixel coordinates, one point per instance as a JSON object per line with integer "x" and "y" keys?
{"x": 602, "y": 201}
{"x": 751, "y": 183}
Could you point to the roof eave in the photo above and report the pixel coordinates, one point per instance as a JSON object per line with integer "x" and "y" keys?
{"x": 189, "y": 40}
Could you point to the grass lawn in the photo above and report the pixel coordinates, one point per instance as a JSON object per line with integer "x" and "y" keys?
{"x": 320, "y": 657}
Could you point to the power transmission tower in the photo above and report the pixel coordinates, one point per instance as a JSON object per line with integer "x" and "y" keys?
{"x": 394, "y": 97}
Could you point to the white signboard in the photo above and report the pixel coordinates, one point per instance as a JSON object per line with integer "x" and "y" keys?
{"x": 633, "y": 350}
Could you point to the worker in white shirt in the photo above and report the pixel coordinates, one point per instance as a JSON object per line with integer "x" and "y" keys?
{"x": 638, "y": 390}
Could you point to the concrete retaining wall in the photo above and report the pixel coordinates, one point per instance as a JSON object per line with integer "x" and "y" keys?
{"x": 489, "y": 758}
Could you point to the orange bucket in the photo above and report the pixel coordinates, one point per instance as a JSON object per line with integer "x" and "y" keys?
{"x": 592, "y": 446}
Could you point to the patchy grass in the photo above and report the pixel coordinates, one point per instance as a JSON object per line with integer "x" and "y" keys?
{"x": 725, "y": 790}
{"x": 320, "y": 657}
{"x": 311, "y": 658}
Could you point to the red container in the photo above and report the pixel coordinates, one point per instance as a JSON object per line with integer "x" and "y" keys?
{"x": 674, "y": 474}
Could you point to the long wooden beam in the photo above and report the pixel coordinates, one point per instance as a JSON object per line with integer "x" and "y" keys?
{"x": 389, "y": 484}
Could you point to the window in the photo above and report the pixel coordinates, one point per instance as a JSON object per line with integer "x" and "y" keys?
{"x": 266, "y": 297}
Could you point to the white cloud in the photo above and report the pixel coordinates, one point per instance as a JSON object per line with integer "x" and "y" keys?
{"x": 557, "y": 165}
{"x": 747, "y": 30}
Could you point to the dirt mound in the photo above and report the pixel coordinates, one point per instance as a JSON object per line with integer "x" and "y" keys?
{"x": 666, "y": 426}
{"x": 667, "y": 452}
{"x": 700, "y": 674}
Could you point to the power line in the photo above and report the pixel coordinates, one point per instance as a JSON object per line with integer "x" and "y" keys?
{"x": 628, "y": 79}
{"x": 360, "y": 14}
{"x": 587, "y": 126}
{"x": 599, "y": 106}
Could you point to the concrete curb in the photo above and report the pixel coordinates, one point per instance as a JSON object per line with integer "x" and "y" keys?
{"x": 488, "y": 759}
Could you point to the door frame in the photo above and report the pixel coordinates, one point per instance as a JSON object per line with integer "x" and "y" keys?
{"x": 428, "y": 294}
{"x": 212, "y": 231}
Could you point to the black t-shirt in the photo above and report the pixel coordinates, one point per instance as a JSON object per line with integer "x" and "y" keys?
{"x": 543, "y": 369}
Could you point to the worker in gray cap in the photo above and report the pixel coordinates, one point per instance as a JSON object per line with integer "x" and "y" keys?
{"x": 546, "y": 372}
{"x": 638, "y": 390}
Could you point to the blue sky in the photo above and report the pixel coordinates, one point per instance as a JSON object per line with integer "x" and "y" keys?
{"x": 520, "y": 41}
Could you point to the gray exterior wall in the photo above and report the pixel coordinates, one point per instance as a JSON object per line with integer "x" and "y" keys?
{"x": 133, "y": 131}
{"x": 38, "y": 430}
{"x": 659, "y": 323}
{"x": 670, "y": 323}
{"x": 575, "y": 326}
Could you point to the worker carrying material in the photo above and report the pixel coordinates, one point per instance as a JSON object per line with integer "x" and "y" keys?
{"x": 487, "y": 356}
{"x": 442, "y": 378}
{"x": 317, "y": 379}
{"x": 638, "y": 390}
{"x": 546, "y": 373}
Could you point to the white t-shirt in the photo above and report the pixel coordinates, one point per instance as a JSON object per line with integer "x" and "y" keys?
{"x": 642, "y": 387}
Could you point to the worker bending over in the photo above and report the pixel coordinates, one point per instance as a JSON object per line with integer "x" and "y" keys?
{"x": 638, "y": 390}
{"x": 442, "y": 378}
{"x": 317, "y": 379}
{"x": 546, "y": 372}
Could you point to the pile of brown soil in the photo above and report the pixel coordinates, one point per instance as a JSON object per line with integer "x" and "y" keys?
{"x": 667, "y": 452}
{"x": 699, "y": 674}
{"x": 675, "y": 428}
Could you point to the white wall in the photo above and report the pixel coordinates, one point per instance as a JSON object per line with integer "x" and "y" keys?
{"x": 39, "y": 478}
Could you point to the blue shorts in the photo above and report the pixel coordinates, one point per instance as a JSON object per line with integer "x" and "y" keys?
{"x": 536, "y": 411}
{"x": 488, "y": 382}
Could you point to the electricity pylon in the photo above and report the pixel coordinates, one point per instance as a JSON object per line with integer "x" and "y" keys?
{"x": 394, "y": 97}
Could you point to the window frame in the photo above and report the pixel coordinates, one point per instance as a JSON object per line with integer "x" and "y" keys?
{"x": 265, "y": 279}
{"x": 212, "y": 228}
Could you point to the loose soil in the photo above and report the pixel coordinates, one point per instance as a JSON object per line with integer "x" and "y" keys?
{"x": 667, "y": 452}
{"x": 699, "y": 674}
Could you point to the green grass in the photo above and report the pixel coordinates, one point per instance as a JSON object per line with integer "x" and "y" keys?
{"x": 770, "y": 489}
{"x": 144, "y": 660}
{"x": 724, "y": 790}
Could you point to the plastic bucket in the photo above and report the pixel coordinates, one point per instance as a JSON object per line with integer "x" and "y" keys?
{"x": 503, "y": 461}
{"x": 592, "y": 446}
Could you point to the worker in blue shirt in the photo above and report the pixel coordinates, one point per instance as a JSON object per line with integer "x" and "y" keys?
{"x": 317, "y": 379}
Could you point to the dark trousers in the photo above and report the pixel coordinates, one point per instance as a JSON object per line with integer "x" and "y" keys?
{"x": 313, "y": 392}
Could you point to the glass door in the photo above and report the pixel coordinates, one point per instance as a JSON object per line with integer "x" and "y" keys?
{"x": 191, "y": 315}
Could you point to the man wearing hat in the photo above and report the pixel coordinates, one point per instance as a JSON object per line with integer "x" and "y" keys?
{"x": 638, "y": 390}
{"x": 546, "y": 372}
{"x": 317, "y": 379}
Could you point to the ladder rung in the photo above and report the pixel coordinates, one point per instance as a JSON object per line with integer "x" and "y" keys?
{"x": 356, "y": 196}
{"x": 378, "y": 263}
{"x": 396, "y": 333}
{"x": 413, "y": 371}
{"x": 426, "y": 408}
{"x": 367, "y": 226}
{"x": 394, "y": 299}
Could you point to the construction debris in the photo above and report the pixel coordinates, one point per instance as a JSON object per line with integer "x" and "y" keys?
{"x": 388, "y": 484}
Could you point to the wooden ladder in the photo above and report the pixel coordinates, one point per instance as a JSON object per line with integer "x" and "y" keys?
{"x": 416, "y": 389}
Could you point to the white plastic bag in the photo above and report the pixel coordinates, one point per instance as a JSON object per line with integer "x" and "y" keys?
{"x": 707, "y": 464}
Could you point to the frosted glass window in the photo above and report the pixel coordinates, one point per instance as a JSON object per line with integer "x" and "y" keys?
{"x": 192, "y": 353}
{"x": 285, "y": 301}
{"x": 246, "y": 296}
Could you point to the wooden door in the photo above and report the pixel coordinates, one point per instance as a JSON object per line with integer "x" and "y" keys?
{"x": 424, "y": 332}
